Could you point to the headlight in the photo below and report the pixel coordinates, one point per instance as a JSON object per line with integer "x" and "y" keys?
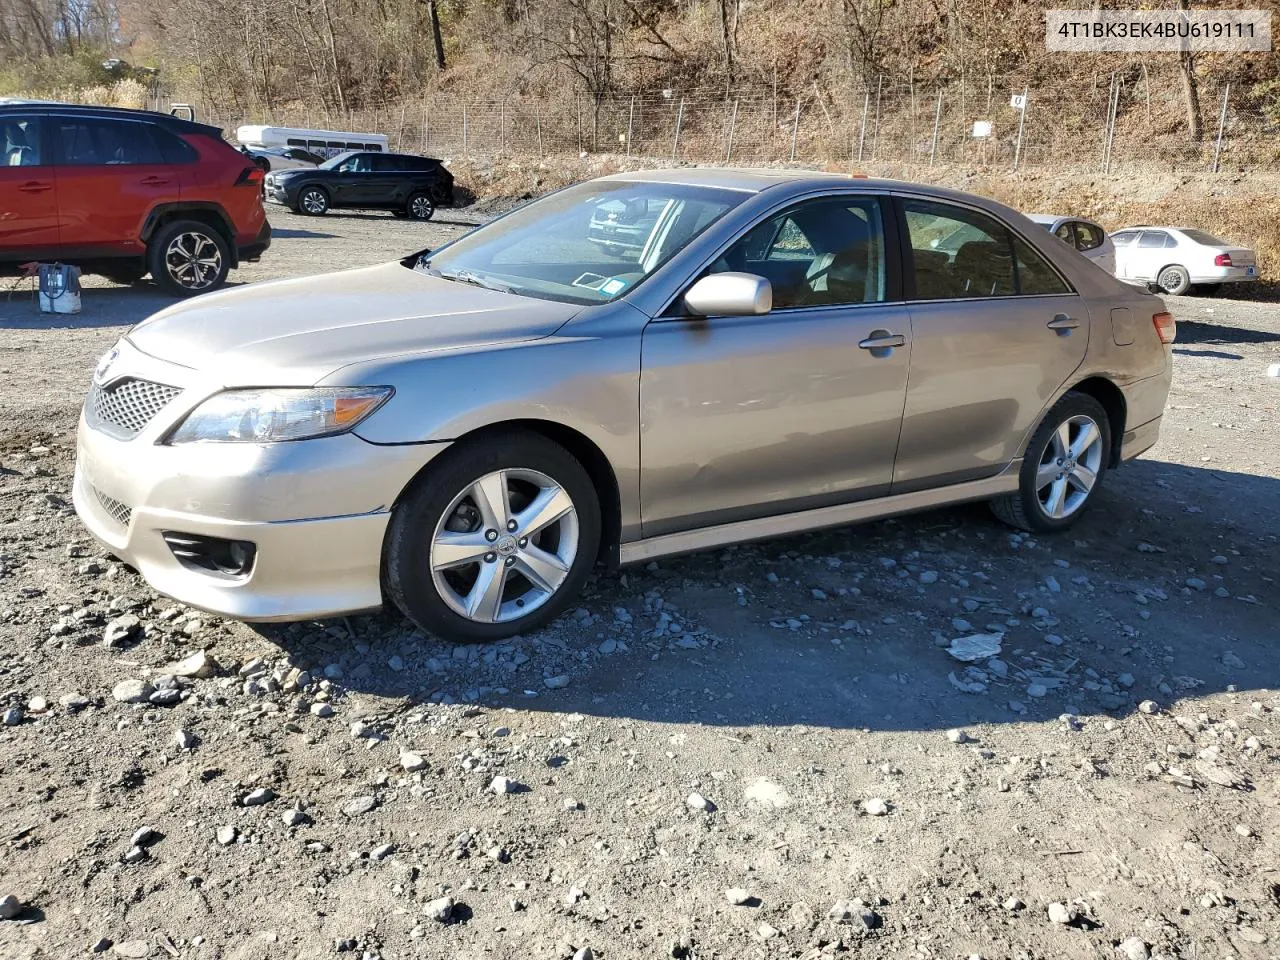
{"x": 267, "y": 416}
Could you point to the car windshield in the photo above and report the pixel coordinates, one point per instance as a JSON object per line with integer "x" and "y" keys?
{"x": 333, "y": 162}
{"x": 1199, "y": 236}
{"x": 586, "y": 244}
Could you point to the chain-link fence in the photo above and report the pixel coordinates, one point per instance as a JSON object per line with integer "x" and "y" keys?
{"x": 1107, "y": 125}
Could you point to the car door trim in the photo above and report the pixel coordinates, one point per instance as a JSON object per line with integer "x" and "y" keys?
{"x": 838, "y": 515}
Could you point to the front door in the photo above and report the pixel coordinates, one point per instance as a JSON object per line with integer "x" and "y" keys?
{"x": 28, "y": 190}
{"x": 110, "y": 174}
{"x": 743, "y": 417}
{"x": 996, "y": 332}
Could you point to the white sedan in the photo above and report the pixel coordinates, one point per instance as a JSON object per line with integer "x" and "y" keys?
{"x": 1085, "y": 235}
{"x": 1177, "y": 258}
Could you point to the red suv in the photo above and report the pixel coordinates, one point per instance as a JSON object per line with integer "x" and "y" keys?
{"x": 125, "y": 193}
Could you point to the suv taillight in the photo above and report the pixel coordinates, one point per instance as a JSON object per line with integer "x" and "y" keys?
{"x": 1222, "y": 260}
{"x": 250, "y": 176}
{"x": 1166, "y": 329}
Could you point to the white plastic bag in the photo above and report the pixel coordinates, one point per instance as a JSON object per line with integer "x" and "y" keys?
{"x": 59, "y": 288}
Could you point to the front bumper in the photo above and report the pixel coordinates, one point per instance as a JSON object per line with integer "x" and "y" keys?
{"x": 316, "y": 510}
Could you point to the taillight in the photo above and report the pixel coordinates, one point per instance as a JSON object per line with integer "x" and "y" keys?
{"x": 1166, "y": 329}
{"x": 1222, "y": 260}
{"x": 251, "y": 176}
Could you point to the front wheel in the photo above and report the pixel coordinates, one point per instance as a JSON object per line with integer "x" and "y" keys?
{"x": 313, "y": 201}
{"x": 1174, "y": 280}
{"x": 496, "y": 538}
{"x": 1062, "y": 469}
{"x": 188, "y": 257}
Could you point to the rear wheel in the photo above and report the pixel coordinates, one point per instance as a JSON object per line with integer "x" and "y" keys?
{"x": 420, "y": 206}
{"x": 313, "y": 201}
{"x": 496, "y": 538}
{"x": 187, "y": 257}
{"x": 1062, "y": 469}
{"x": 1174, "y": 280}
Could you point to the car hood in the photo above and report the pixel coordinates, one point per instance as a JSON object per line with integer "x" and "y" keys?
{"x": 298, "y": 331}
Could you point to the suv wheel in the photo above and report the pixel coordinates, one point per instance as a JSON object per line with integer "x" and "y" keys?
{"x": 420, "y": 206}
{"x": 313, "y": 201}
{"x": 1062, "y": 468}
{"x": 187, "y": 257}
{"x": 495, "y": 539}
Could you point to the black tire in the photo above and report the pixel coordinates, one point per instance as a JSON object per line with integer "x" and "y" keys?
{"x": 420, "y": 206}
{"x": 188, "y": 257}
{"x": 313, "y": 201}
{"x": 406, "y": 564}
{"x": 1024, "y": 509}
{"x": 1175, "y": 279}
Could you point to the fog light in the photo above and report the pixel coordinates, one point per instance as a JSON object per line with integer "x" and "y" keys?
{"x": 214, "y": 555}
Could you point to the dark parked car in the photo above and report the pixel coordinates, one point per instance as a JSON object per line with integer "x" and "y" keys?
{"x": 406, "y": 185}
{"x": 125, "y": 193}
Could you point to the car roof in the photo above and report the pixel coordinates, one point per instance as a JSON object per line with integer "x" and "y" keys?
{"x": 750, "y": 180}
{"x": 176, "y": 124}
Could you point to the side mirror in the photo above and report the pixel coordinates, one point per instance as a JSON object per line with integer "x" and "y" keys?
{"x": 729, "y": 295}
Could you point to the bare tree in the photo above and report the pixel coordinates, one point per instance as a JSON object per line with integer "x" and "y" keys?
{"x": 1190, "y": 90}
{"x": 437, "y": 40}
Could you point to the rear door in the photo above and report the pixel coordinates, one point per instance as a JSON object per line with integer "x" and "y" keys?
{"x": 111, "y": 172}
{"x": 28, "y": 189}
{"x": 389, "y": 178}
{"x": 996, "y": 331}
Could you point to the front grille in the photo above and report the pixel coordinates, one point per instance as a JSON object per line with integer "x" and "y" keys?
{"x": 123, "y": 408}
{"x": 117, "y": 511}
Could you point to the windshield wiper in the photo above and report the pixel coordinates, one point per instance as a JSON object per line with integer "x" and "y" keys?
{"x": 475, "y": 279}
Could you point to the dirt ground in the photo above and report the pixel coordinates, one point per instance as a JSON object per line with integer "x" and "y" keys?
{"x": 859, "y": 791}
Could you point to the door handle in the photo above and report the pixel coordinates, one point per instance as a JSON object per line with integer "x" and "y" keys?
{"x": 883, "y": 340}
{"x": 35, "y": 186}
{"x": 1063, "y": 322}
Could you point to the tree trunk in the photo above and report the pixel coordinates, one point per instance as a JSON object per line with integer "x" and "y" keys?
{"x": 1190, "y": 93}
{"x": 726, "y": 35}
{"x": 437, "y": 41}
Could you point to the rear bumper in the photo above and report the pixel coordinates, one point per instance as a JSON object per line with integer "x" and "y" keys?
{"x": 1139, "y": 439}
{"x": 257, "y": 247}
{"x": 1226, "y": 275}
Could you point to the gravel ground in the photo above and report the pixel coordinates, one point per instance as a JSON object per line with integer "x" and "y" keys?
{"x": 765, "y": 751}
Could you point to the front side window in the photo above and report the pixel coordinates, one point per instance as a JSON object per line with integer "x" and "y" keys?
{"x": 105, "y": 143}
{"x": 963, "y": 254}
{"x": 1123, "y": 239}
{"x": 589, "y": 243}
{"x": 819, "y": 253}
{"x": 20, "y": 141}
{"x": 1154, "y": 240}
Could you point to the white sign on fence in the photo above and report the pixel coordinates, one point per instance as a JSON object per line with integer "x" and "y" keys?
{"x": 981, "y": 129}
{"x": 1018, "y": 101}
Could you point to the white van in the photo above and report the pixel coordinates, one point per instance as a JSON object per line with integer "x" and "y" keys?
{"x": 325, "y": 143}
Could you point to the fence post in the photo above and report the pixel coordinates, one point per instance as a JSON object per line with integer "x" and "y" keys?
{"x": 578, "y": 102}
{"x": 537, "y": 118}
{"x": 733, "y": 122}
{"x": 795, "y": 128}
{"x": 875, "y": 138}
{"x": 1022, "y": 122}
{"x": 464, "y": 129}
{"x": 675, "y": 142}
{"x": 862, "y": 136}
{"x": 426, "y": 130}
{"x": 400, "y": 130}
{"x": 937, "y": 119}
{"x": 502, "y": 125}
{"x": 631, "y": 119}
{"x": 1106, "y": 123}
{"x": 911, "y": 83}
{"x": 1111, "y": 134}
{"x": 1222, "y": 122}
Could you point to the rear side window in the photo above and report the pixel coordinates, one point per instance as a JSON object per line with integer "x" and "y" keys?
{"x": 103, "y": 143}
{"x": 20, "y": 142}
{"x": 1154, "y": 240}
{"x": 963, "y": 254}
{"x": 173, "y": 148}
{"x": 1088, "y": 236}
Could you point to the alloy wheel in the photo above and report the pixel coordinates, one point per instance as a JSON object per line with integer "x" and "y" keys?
{"x": 1069, "y": 468}
{"x": 504, "y": 546}
{"x": 313, "y": 201}
{"x": 421, "y": 208}
{"x": 193, "y": 261}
